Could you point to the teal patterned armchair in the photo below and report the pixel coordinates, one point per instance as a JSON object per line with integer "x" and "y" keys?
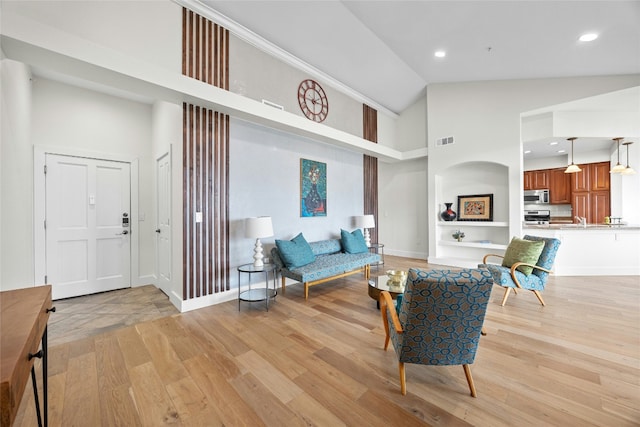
{"x": 510, "y": 276}
{"x": 438, "y": 320}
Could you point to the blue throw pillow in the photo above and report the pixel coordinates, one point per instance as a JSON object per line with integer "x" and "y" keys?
{"x": 295, "y": 252}
{"x": 353, "y": 243}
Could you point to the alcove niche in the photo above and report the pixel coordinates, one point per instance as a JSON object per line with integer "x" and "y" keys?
{"x": 481, "y": 237}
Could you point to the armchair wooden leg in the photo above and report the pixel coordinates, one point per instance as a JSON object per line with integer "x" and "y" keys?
{"x": 306, "y": 290}
{"x": 472, "y": 387}
{"x": 283, "y": 284}
{"x": 403, "y": 382}
{"x": 506, "y": 295}
{"x": 539, "y": 297}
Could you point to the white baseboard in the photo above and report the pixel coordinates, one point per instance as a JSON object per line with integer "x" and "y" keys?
{"x": 405, "y": 254}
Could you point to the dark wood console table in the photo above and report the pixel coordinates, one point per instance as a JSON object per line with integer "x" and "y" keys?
{"x": 24, "y": 314}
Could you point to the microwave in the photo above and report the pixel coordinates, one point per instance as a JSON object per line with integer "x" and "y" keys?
{"x": 537, "y": 197}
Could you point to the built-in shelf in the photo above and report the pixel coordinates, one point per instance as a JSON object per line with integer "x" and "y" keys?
{"x": 460, "y": 224}
{"x": 473, "y": 244}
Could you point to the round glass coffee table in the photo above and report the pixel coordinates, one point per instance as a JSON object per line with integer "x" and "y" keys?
{"x": 382, "y": 283}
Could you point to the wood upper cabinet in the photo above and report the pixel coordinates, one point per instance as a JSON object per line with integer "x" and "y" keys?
{"x": 527, "y": 180}
{"x": 540, "y": 180}
{"x": 536, "y": 180}
{"x": 590, "y": 195}
{"x": 580, "y": 180}
{"x": 594, "y": 177}
{"x": 559, "y": 187}
{"x": 599, "y": 176}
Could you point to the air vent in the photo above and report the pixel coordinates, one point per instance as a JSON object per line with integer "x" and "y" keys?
{"x": 272, "y": 104}
{"x": 444, "y": 141}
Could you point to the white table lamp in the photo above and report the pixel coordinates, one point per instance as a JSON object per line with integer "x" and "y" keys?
{"x": 366, "y": 222}
{"x": 256, "y": 228}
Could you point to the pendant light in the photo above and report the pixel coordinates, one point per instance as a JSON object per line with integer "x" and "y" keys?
{"x": 628, "y": 170}
{"x": 572, "y": 168}
{"x": 618, "y": 168}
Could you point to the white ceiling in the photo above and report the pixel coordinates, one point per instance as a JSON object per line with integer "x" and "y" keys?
{"x": 385, "y": 49}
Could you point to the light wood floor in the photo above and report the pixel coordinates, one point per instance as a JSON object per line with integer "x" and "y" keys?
{"x": 575, "y": 362}
{"x": 82, "y": 317}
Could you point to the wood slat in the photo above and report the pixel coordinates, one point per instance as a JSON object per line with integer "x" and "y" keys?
{"x": 206, "y": 167}
{"x": 370, "y": 168}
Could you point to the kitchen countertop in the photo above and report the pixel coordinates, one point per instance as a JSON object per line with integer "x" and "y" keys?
{"x": 582, "y": 227}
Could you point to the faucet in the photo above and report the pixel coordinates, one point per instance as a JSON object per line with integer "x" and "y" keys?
{"x": 582, "y": 221}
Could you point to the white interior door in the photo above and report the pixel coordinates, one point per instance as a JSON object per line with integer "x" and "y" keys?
{"x": 163, "y": 231}
{"x": 88, "y": 247}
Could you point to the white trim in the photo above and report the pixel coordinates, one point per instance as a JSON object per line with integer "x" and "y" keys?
{"x": 133, "y": 223}
{"x": 205, "y": 301}
{"x": 168, "y": 153}
{"x": 405, "y": 254}
{"x": 266, "y": 46}
{"x": 148, "y": 279}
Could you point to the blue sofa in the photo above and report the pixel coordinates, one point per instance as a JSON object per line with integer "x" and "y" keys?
{"x": 330, "y": 263}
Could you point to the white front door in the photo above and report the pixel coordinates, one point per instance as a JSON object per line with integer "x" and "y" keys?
{"x": 87, "y": 225}
{"x": 163, "y": 231}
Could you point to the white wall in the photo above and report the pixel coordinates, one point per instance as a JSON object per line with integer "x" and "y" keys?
{"x": 64, "y": 119}
{"x": 411, "y": 127}
{"x": 16, "y": 164}
{"x": 484, "y": 118}
{"x": 259, "y": 76}
{"x": 167, "y": 137}
{"x": 150, "y": 31}
{"x": 402, "y": 208}
{"x": 265, "y": 180}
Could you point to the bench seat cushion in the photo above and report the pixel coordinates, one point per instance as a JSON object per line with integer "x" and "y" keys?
{"x": 330, "y": 265}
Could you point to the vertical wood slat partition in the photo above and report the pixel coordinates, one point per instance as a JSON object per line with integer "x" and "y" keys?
{"x": 205, "y": 48}
{"x": 370, "y": 167}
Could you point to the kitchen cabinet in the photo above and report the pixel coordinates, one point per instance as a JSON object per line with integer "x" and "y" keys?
{"x": 599, "y": 206}
{"x": 592, "y": 205}
{"x": 599, "y": 176}
{"x": 580, "y": 204}
{"x": 559, "y": 187}
{"x": 580, "y": 180}
{"x": 527, "y": 180}
{"x": 587, "y": 191}
{"x": 594, "y": 177}
{"x": 536, "y": 180}
{"x": 590, "y": 195}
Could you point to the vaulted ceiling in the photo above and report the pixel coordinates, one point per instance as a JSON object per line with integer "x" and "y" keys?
{"x": 385, "y": 49}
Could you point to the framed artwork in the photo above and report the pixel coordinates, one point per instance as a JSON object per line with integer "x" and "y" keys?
{"x": 313, "y": 188}
{"x": 478, "y": 207}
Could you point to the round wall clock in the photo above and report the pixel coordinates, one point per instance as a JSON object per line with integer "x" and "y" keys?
{"x": 313, "y": 101}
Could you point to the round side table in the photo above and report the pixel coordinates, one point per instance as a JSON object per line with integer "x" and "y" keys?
{"x": 257, "y": 294}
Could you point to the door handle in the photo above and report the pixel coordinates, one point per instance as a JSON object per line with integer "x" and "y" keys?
{"x": 157, "y": 230}
{"x": 123, "y": 232}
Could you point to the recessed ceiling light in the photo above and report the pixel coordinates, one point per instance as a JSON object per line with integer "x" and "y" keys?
{"x": 440, "y": 54}
{"x": 562, "y": 151}
{"x": 553, "y": 143}
{"x": 589, "y": 37}
{"x": 527, "y": 151}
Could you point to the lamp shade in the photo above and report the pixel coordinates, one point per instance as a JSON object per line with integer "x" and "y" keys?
{"x": 365, "y": 221}
{"x": 618, "y": 168}
{"x": 257, "y": 227}
{"x": 572, "y": 168}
